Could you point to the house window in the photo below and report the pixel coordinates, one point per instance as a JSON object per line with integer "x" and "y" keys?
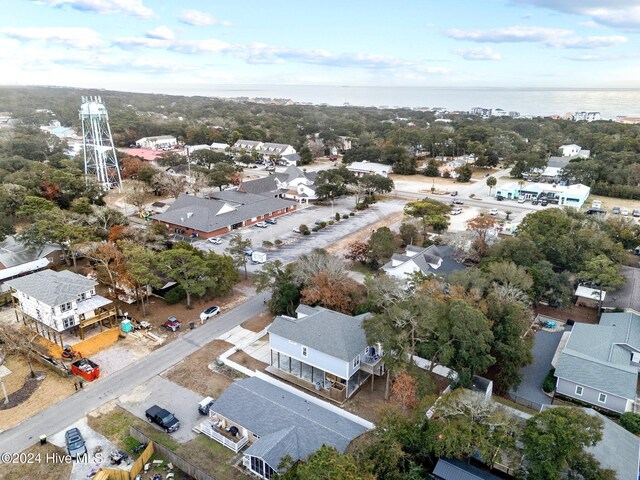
{"x": 67, "y": 322}
{"x": 65, "y": 306}
{"x": 602, "y": 398}
{"x": 255, "y": 436}
{"x": 579, "y": 390}
{"x": 83, "y": 296}
{"x": 356, "y": 361}
{"x": 305, "y": 351}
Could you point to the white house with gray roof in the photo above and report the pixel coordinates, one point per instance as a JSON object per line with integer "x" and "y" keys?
{"x": 264, "y": 149}
{"x": 599, "y": 364}
{"x": 53, "y": 303}
{"x": 158, "y": 142}
{"x": 292, "y": 184}
{"x": 433, "y": 260}
{"x": 274, "y": 423}
{"x": 324, "y": 351}
{"x": 360, "y": 169}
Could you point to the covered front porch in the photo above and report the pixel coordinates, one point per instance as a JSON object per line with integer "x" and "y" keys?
{"x": 323, "y": 383}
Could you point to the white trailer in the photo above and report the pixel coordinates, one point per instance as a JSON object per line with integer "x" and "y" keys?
{"x": 259, "y": 257}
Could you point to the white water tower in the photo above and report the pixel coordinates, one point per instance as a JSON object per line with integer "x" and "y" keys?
{"x": 100, "y": 157}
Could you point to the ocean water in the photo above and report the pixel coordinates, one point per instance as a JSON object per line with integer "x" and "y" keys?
{"x": 611, "y": 103}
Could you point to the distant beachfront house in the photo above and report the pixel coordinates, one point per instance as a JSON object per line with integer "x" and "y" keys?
{"x": 360, "y": 169}
{"x": 159, "y": 142}
{"x": 574, "y": 151}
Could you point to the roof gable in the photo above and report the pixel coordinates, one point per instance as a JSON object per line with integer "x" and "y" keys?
{"x": 53, "y": 288}
{"x": 336, "y": 334}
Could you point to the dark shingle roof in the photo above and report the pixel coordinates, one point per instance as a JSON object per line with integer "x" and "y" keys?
{"x": 53, "y": 288}
{"x": 13, "y": 252}
{"x": 451, "y": 469}
{"x": 286, "y": 423}
{"x": 207, "y": 215}
{"x": 333, "y": 333}
{"x": 264, "y": 185}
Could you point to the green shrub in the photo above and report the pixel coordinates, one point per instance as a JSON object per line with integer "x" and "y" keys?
{"x": 303, "y": 229}
{"x": 306, "y": 232}
{"x": 267, "y": 244}
{"x": 314, "y": 229}
{"x": 175, "y": 295}
{"x": 351, "y": 214}
{"x": 331, "y": 222}
{"x": 337, "y": 217}
{"x": 549, "y": 383}
{"x": 631, "y": 421}
{"x": 277, "y": 241}
{"x": 361, "y": 206}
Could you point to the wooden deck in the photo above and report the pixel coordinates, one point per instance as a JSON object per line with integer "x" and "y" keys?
{"x": 332, "y": 393}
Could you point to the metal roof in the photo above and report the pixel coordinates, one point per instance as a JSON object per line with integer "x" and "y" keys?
{"x": 451, "y": 469}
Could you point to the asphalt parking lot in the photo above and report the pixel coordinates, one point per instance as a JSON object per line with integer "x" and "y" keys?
{"x": 183, "y": 403}
{"x": 296, "y": 244}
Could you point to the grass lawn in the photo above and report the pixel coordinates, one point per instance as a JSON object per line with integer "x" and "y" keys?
{"x": 201, "y": 452}
{"x": 517, "y": 406}
{"x": 42, "y": 469}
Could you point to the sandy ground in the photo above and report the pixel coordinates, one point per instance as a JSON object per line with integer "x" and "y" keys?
{"x": 257, "y": 323}
{"x": 608, "y": 203}
{"x": 194, "y": 372}
{"x": 52, "y": 389}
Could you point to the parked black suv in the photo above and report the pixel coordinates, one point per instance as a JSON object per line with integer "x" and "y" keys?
{"x": 162, "y": 418}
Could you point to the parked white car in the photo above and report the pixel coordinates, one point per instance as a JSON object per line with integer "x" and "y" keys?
{"x": 493, "y": 211}
{"x": 625, "y": 211}
{"x": 215, "y": 241}
{"x": 456, "y": 211}
{"x": 209, "y": 312}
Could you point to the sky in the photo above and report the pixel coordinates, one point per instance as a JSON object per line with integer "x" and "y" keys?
{"x": 175, "y": 46}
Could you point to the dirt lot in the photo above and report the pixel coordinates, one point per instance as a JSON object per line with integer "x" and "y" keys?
{"x": 339, "y": 248}
{"x": 258, "y": 323}
{"x": 248, "y": 361}
{"x": 194, "y": 372}
{"x": 608, "y": 203}
{"x": 113, "y": 422}
{"x": 52, "y": 389}
{"x": 38, "y": 470}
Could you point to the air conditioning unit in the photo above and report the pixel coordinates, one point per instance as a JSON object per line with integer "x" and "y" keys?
{"x": 635, "y": 357}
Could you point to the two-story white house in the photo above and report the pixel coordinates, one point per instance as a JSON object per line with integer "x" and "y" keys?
{"x": 159, "y": 142}
{"x": 56, "y": 303}
{"x": 265, "y": 149}
{"x": 323, "y": 350}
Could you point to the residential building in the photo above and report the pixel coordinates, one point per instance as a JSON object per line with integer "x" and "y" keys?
{"x": 454, "y": 469}
{"x": 225, "y": 211}
{"x": 499, "y": 112}
{"x": 290, "y": 160}
{"x": 220, "y": 147}
{"x": 323, "y": 351}
{"x": 292, "y": 184}
{"x": 619, "y": 449}
{"x": 160, "y": 142}
{"x": 274, "y": 423}
{"x": 360, "y": 169}
{"x": 599, "y": 364}
{"x": 433, "y": 260}
{"x": 55, "y": 303}
{"x": 586, "y": 116}
{"x": 189, "y": 149}
{"x": 481, "y": 112}
{"x": 264, "y": 149}
{"x": 570, "y": 150}
{"x": 17, "y": 259}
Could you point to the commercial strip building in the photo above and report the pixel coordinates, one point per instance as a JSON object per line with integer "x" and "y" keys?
{"x": 221, "y": 213}
{"x": 570, "y": 195}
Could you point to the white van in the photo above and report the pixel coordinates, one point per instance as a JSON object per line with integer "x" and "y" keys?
{"x": 204, "y": 405}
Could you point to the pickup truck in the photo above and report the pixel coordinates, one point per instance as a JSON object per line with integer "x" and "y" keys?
{"x": 162, "y": 418}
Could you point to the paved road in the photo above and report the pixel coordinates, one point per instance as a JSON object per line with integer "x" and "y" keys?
{"x": 70, "y": 410}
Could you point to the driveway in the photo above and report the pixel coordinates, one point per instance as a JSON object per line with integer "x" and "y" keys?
{"x": 533, "y": 375}
{"x": 183, "y": 403}
{"x": 98, "y": 448}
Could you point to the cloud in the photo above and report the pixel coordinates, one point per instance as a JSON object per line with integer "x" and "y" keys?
{"x": 122, "y": 7}
{"x": 482, "y": 53}
{"x": 589, "y": 24}
{"x": 509, "y": 34}
{"x": 588, "y": 42}
{"x": 624, "y": 14}
{"x": 199, "y": 19}
{"x": 76, "y": 37}
{"x": 161, "y": 33}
